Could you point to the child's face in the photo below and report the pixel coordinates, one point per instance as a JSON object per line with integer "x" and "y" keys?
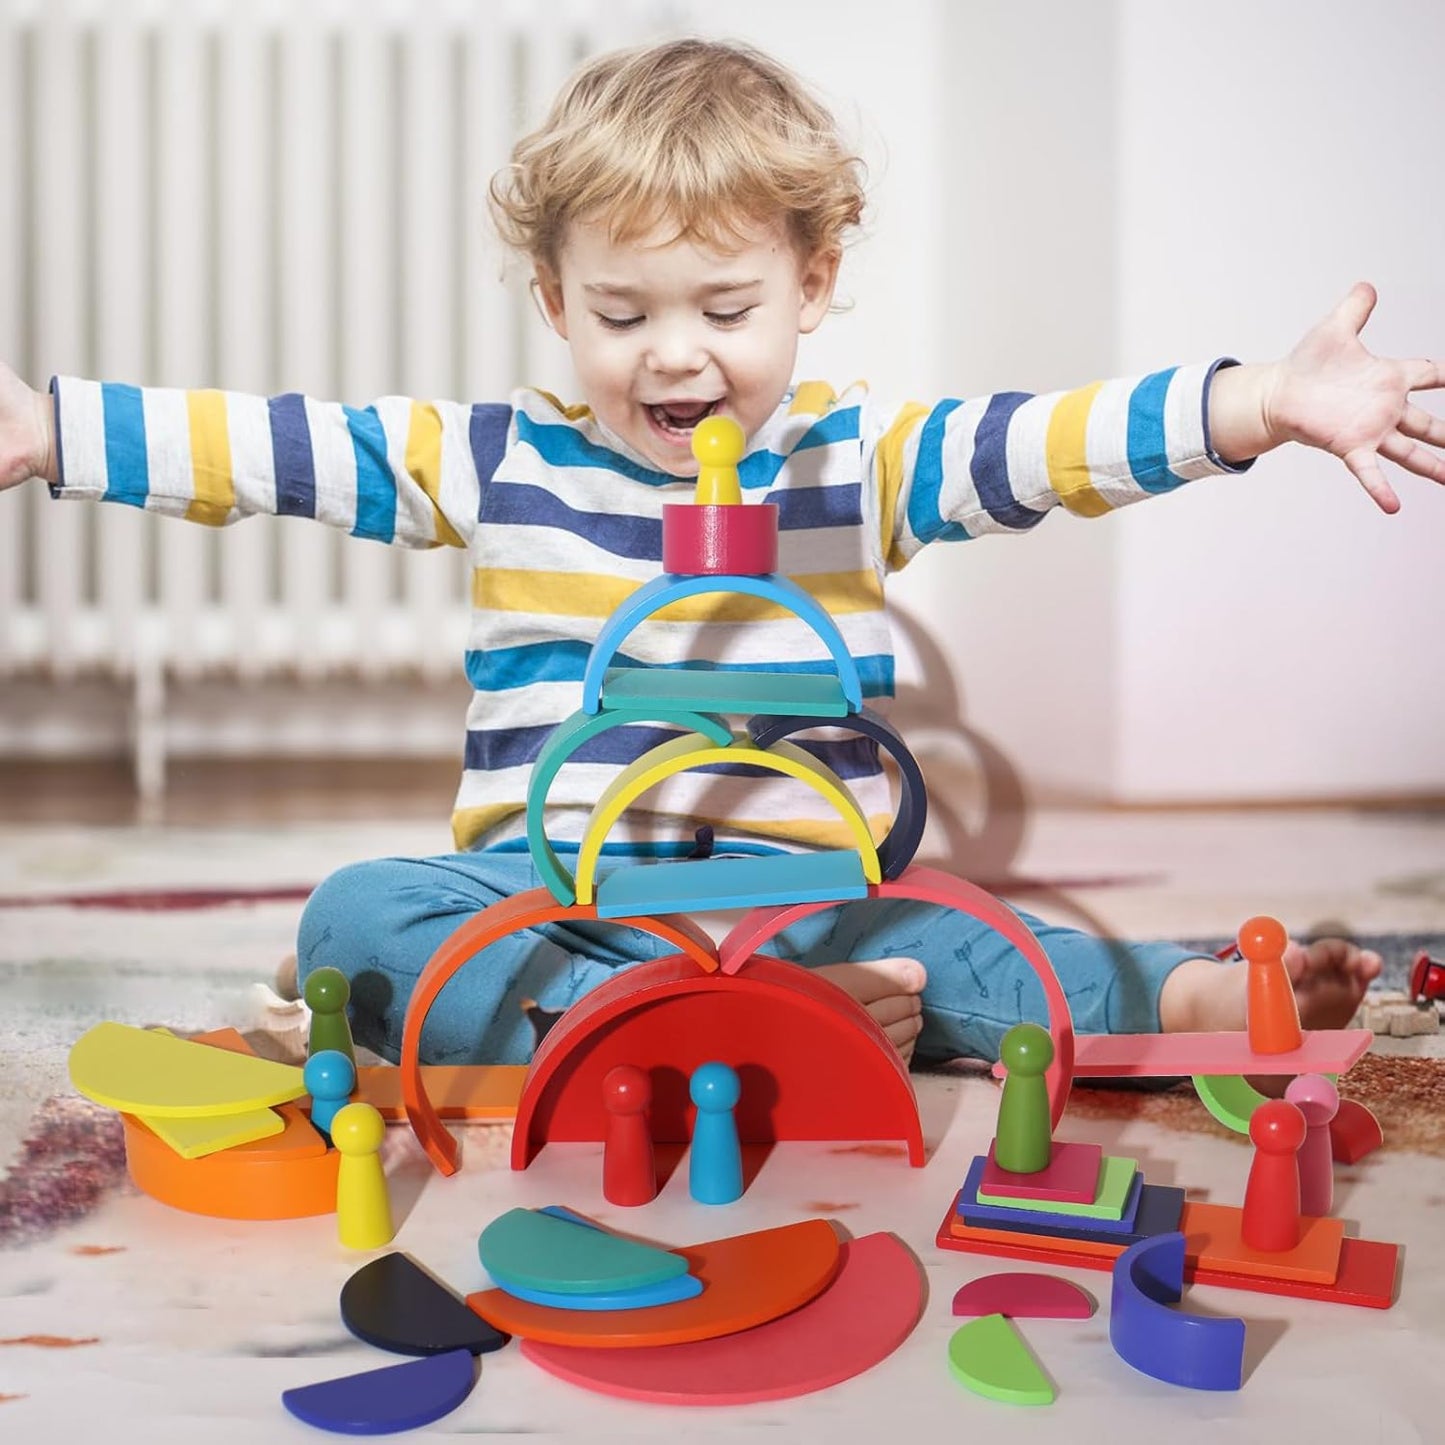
{"x": 666, "y": 332}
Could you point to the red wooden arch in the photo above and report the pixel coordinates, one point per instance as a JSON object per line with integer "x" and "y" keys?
{"x": 813, "y": 1062}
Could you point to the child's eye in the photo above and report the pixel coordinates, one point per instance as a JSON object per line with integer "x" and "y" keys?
{"x": 619, "y": 323}
{"x": 728, "y": 318}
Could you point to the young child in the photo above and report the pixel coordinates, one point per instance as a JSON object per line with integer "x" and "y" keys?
{"x": 683, "y": 209}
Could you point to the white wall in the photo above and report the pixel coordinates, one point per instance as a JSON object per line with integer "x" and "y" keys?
{"x": 1063, "y": 191}
{"x": 1114, "y": 187}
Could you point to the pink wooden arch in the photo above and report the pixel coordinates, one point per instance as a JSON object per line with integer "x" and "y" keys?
{"x": 929, "y": 885}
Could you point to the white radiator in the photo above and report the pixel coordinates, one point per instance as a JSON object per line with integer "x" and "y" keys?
{"x": 271, "y": 197}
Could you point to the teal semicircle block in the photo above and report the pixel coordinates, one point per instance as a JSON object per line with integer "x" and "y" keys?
{"x": 664, "y": 590}
{"x": 540, "y": 1251}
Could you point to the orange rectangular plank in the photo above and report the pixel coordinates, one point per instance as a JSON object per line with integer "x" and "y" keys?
{"x": 1366, "y": 1277}
{"x": 1089, "y": 1248}
{"x": 1212, "y": 1237}
{"x": 456, "y": 1091}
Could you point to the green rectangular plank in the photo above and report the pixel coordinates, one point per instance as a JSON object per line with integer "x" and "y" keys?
{"x": 807, "y": 694}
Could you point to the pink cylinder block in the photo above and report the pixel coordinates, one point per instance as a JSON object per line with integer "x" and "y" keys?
{"x": 704, "y": 541}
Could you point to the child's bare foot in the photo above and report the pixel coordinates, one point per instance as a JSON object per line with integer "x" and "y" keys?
{"x": 889, "y": 989}
{"x": 1330, "y": 977}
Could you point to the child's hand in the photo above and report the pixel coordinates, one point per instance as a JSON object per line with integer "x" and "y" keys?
{"x": 1331, "y": 393}
{"x": 27, "y": 432}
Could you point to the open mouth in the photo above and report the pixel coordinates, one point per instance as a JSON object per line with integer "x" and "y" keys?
{"x": 678, "y": 418}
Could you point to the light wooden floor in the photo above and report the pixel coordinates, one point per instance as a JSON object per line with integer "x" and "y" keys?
{"x": 222, "y": 791}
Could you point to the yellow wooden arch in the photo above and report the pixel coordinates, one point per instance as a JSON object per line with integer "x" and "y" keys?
{"x": 692, "y": 750}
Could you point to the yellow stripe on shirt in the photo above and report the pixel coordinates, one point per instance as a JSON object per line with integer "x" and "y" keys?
{"x": 214, "y": 488}
{"x": 424, "y": 464}
{"x": 890, "y": 471}
{"x": 591, "y": 594}
{"x": 1066, "y": 454}
{"x": 812, "y": 398}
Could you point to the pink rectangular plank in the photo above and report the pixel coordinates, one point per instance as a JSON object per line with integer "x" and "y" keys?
{"x": 1154, "y": 1056}
{"x": 1070, "y": 1177}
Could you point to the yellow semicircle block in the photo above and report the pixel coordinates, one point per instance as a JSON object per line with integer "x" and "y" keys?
{"x": 142, "y": 1071}
{"x": 693, "y": 750}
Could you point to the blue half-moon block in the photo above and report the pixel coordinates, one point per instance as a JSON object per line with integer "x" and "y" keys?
{"x": 668, "y": 588}
{"x": 664, "y": 1292}
{"x": 379, "y": 1402}
{"x": 1201, "y": 1352}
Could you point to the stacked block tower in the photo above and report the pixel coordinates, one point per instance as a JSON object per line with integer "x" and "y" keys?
{"x": 811, "y": 1063}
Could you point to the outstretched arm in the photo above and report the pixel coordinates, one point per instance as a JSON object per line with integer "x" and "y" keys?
{"x": 1332, "y": 393}
{"x": 399, "y": 471}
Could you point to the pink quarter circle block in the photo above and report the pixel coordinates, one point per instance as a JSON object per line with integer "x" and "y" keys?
{"x": 1070, "y": 1177}
{"x": 1019, "y": 1295}
{"x": 1157, "y": 1056}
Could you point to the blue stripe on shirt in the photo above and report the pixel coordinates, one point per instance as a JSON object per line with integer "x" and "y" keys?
{"x": 1148, "y": 446}
{"x": 375, "y": 485}
{"x": 989, "y": 467}
{"x": 519, "y": 504}
{"x": 501, "y": 668}
{"x": 487, "y": 432}
{"x": 837, "y": 426}
{"x": 840, "y": 506}
{"x": 127, "y": 467}
{"x": 925, "y": 497}
{"x": 291, "y": 456}
{"x": 490, "y": 749}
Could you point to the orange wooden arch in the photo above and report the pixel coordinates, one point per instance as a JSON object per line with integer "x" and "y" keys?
{"x": 531, "y": 909}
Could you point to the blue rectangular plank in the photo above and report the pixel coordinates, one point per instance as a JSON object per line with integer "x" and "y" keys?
{"x": 704, "y": 883}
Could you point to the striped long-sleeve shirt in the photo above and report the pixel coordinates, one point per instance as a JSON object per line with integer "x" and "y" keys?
{"x": 562, "y": 523}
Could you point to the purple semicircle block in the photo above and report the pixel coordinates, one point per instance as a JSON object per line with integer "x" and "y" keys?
{"x": 380, "y": 1402}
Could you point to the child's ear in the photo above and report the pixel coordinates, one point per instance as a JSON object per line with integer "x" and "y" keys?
{"x": 547, "y": 289}
{"x": 816, "y": 281}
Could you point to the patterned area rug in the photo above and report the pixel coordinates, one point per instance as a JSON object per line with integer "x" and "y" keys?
{"x": 187, "y": 929}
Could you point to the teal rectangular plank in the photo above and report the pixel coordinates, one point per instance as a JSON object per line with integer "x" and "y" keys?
{"x": 807, "y": 694}
{"x": 704, "y": 883}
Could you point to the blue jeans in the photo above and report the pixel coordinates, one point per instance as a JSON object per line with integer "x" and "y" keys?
{"x": 380, "y": 922}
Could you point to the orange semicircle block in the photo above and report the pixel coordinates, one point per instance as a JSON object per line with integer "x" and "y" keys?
{"x": 747, "y": 1280}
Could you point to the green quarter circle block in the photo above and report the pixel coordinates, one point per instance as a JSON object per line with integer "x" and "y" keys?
{"x": 540, "y": 1251}
{"x": 699, "y": 885}
{"x": 1231, "y": 1098}
{"x": 567, "y": 738}
{"x": 815, "y": 694}
{"x": 680, "y": 755}
{"x": 663, "y": 591}
{"x": 989, "y": 1357}
{"x": 896, "y": 850}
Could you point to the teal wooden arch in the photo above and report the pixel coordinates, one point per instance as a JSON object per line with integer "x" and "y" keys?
{"x": 566, "y": 738}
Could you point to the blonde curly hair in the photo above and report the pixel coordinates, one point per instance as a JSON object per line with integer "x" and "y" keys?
{"x": 708, "y": 137}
